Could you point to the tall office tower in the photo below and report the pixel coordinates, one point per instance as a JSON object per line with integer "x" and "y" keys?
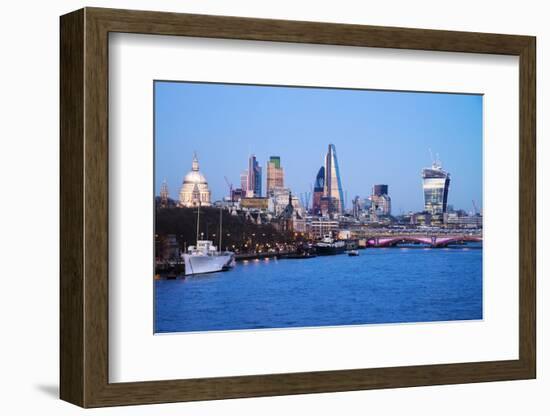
{"x": 254, "y": 185}
{"x": 318, "y": 191}
{"x": 380, "y": 190}
{"x": 244, "y": 180}
{"x": 356, "y": 207}
{"x": 275, "y": 175}
{"x": 380, "y": 200}
{"x": 333, "y": 183}
{"x": 435, "y": 183}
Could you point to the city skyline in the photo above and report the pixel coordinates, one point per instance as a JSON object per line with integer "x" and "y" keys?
{"x": 226, "y": 124}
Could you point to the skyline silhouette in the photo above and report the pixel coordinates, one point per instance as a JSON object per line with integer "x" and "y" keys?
{"x": 381, "y": 137}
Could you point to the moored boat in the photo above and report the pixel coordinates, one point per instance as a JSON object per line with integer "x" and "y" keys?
{"x": 328, "y": 246}
{"x": 204, "y": 257}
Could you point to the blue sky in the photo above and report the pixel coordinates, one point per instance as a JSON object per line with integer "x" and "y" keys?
{"x": 380, "y": 137}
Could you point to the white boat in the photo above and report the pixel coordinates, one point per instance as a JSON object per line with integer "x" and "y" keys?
{"x": 204, "y": 257}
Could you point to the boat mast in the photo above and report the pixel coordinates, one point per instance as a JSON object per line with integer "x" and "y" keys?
{"x": 198, "y": 221}
{"x": 220, "y": 247}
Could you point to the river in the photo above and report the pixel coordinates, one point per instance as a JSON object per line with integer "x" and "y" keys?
{"x": 381, "y": 285}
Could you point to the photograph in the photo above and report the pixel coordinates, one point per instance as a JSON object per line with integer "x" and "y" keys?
{"x": 284, "y": 206}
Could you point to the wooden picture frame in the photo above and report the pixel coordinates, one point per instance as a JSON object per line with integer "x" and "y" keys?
{"x": 84, "y": 207}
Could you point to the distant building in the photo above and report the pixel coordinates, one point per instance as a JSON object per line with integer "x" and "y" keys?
{"x": 438, "y": 220}
{"x": 244, "y": 180}
{"x": 318, "y": 191}
{"x": 333, "y": 182}
{"x": 254, "y": 203}
{"x": 456, "y": 220}
{"x": 360, "y": 208}
{"x": 421, "y": 218}
{"x": 164, "y": 195}
{"x": 194, "y": 190}
{"x": 319, "y": 227}
{"x": 275, "y": 175}
{"x": 254, "y": 180}
{"x": 380, "y": 190}
{"x": 289, "y": 217}
{"x": 344, "y": 235}
{"x": 435, "y": 183}
{"x": 280, "y": 201}
{"x": 356, "y": 207}
{"x": 380, "y": 200}
{"x": 329, "y": 205}
{"x": 237, "y": 194}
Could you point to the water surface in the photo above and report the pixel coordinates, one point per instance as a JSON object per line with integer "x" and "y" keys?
{"x": 392, "y": 285}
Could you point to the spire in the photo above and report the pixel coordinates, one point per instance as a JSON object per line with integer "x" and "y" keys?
{"x": 195, "y": 165}
{"x": 164, "y": 194}
{"x": 289, "y": 209}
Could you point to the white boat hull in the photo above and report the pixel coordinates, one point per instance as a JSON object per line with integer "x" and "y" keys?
{"x": 199, "y": 264}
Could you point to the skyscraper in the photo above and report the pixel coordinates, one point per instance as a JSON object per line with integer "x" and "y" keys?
{"x": 318, "y": 191}
{"x": 380, "y": 200}
{"x": 275, "y": 175}
{"x": 254, "y": 185}
{"x": 333, "y": 183}
{"x": 435, "y": 183}
{"x": 380, "y": 190}
{"x": 244, "y": 180}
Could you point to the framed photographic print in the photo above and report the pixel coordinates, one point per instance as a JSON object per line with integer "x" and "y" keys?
{"x": 255, "y": 207}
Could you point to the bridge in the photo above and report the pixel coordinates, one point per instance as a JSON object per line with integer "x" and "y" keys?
{"x": 425, "y": 240}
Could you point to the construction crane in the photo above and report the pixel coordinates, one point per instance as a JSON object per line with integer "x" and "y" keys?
{"x": 230, "y": 186}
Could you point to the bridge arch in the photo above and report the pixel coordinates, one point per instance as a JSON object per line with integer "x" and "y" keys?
{"x": 432, "y": 241}
{"x": 445, "y": 241}
{"x": 393, "y": 241}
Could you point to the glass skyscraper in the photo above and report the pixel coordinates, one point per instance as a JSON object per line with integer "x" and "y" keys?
{"x": 333, "y": 183}
{"x": 435, "y": 183}
{"x": 254, "y": 183}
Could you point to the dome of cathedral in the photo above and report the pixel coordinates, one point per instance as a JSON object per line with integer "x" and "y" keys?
{"x": 194, "y": 190}
{"x": 195, "y": 177}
